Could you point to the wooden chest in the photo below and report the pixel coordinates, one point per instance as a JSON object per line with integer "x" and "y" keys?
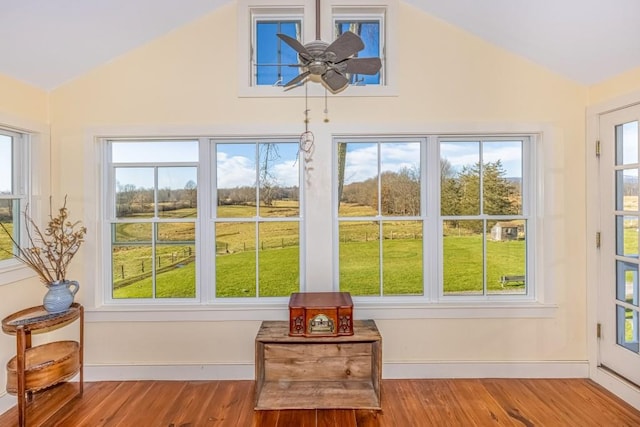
{"x": 320, "y": 314}
{"x": 318, "y": 372}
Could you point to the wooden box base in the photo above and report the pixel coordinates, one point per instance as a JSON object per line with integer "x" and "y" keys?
{"x": 318, "y": 372}
{"x": 323, "y": 314}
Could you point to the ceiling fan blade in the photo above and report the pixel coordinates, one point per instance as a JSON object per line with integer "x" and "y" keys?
{"x": 369, "y": 66}
{"x": 295, "y": 45}
{"x": 334, "y": 80}
{"x": 297, "y": 79}
{"x": 344, "y": 46}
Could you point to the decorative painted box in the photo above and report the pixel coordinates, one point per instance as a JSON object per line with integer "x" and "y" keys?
{"x": 320, "y": 314}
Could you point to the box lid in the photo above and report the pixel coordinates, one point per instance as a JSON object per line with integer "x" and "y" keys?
{"x": 320, "y": 300}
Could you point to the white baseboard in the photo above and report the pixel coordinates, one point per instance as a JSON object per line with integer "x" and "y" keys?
{"x": 396, "y": 370}
{"x": 217, "y": 371}
{"x": 466, "y": 369}
{"x": 7, "y": 402}
{"x": 624, "y": 390}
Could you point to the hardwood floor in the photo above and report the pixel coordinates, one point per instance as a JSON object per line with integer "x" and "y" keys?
{"x": 405, "y": 403}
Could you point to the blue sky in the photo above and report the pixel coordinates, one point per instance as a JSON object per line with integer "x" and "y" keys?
{"x": 5, "y": 164}
{"x": 629, "y": 143}
{"x": 461, "y": 154}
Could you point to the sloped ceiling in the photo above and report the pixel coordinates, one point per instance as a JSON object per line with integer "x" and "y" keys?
{"x": 49, "y": 42}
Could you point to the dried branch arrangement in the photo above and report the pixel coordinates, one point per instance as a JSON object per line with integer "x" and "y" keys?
{"x": 50, "y": 251}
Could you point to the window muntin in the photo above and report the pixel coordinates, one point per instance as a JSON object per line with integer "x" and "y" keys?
{"x": 13, "y": 189}
{"x": 475, "y": 217}
{"x": 153, "y": 220}
{"x": 257, "y": 219}
{"x": 380, "y": 225}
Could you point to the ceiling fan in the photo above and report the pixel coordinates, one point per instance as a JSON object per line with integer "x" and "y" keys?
{"x": 330, "y": 61}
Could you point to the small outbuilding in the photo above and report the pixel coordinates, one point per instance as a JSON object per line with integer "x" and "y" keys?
{"x": 505, "y": 231}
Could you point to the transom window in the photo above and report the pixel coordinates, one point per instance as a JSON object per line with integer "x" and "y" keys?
{"x": 370, "y": 28}
{"x": 270, "y": 63}
{"x": 274, "y": 61}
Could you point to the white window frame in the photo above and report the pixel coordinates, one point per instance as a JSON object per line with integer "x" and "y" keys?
{"x": 433, "y": 296}
{"x": 249, "y": 10}
{"x": 544, "y": 306}
{"x": 269, "y": 15}
{"x": 25, "y": 162}
{"x": 110, "y": 219}
{"x": 205, "y": 223}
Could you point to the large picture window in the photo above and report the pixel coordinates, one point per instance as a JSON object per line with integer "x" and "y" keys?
{"x": 173, "y": 201}
{"x": 435, "y": 217}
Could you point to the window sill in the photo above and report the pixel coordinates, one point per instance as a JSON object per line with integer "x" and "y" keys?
{"x": 14, "y": 271}
{"x": 315, "y": 90}
{"x": 279, "y": 311}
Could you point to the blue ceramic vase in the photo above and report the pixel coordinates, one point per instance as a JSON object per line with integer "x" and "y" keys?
{"x": 60, "y": 295}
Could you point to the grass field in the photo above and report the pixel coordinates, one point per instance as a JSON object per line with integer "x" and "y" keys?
{"x": 278, "y": 254}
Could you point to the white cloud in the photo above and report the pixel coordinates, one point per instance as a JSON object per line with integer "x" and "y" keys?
{"x": 235, "y": 171}
{"x": 362, "y": 159}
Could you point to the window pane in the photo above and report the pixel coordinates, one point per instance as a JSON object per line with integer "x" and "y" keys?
{"x": 627, "y": 282}
{"x": 132, "y": 260}
{"x": 154, "y": 151}
{"x": 279, "y": 258}
{"x": 460, "y": 176}
{"x": 400, "y": 179}
{"x": 273, "y": 56}
{"x": 177, "y": 192}
{"x": 6, "y": 165}
{"x": 279, "y": 180}
{"x": 359, "y": 257}
{"x": 236, "y": 177}
{"x": 627, "y": 189}
{"x": 502, "y": 177}
{"x": 627, "y": 235}
{"x": 358, "y": 179}
{"x": 235, "y": 259}
{"x": 402, "y": 258}
{"x": 627, "y": 143}
{"x": 506, "y": 257}
{"x": 10, "y": 218}
{"x": 369, "y": 32}
{"x": 463, "y": 270}
{"x": 627, "y": 328}
{"x": 175, "y": 260}
{"x": 134, "y": 192}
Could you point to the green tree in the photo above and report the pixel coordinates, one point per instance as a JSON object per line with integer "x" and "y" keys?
{"x": 460, "y": 193}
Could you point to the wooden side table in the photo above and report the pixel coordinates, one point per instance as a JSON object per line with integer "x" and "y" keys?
{"x": 36, "y": 368}
{"x": 318, "y": 372}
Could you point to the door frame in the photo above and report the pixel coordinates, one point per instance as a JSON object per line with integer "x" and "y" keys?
{"x": 628, "y": 392}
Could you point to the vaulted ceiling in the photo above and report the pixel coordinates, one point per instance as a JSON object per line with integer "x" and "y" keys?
{"x": 46, "y": 43}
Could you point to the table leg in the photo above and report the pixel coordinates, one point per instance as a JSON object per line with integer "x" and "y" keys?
{"x": 20, "y": 372}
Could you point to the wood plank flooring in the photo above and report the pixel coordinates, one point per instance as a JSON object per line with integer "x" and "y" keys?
{"x": 405, "y": 403}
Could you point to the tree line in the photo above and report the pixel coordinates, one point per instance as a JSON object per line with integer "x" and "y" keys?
{"x": 460, "y": 191}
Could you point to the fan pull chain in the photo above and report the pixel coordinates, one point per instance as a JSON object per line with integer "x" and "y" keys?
{"x": 326, "y": 108}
